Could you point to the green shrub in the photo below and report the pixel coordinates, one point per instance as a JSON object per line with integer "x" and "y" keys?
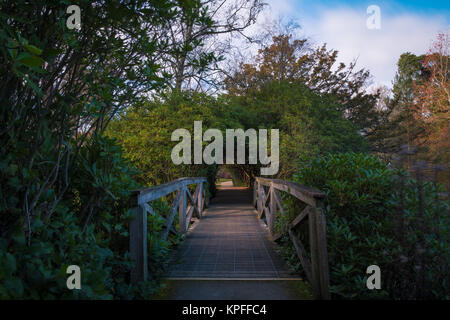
{"x": 237, "y": 177}
{"x": 88, "y": 228}
{"x": 145, "y": 131}
{"x": 38, "y": 271}
{"x": 363, "y": 207}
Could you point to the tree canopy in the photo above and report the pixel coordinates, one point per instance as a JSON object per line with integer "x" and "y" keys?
{"x": 293, "y": 60}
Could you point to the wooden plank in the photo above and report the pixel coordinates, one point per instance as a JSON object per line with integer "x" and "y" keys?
{"x": 138, "y": 245}
{"x": 278, "y": 184}
{"x": 205, "y": 200}
{"x": 264, "y": 199}
{"x": 259, "y": 207}
{"x": 315, "y": 267}
{"x": 255, "y": 192}
{"x": 322, "y": 254}
{"x": 149, "y": 209}
{"x": 138, "y": 225}
{"x": 298, "y": 194}
{"x": 278, "y": 236}
{"x": 268, "y": 216}
{"x": 171, "y": 215}
{"x": 199, "y": 200}
{"x": 172, "y": 230}
{"x": 258, "y": 196}
{"x": 149, "y": 194}
{"x": 191, "y": 199}
{"x": 293, "y": 224}
{"x": 258, "y": 202}
{"x": 317, "y": 270}
{"x": 300, "y": 253}
{"x": 196, "y": 191}
{"x": 278, "y": 201}
{"x": 182, "y": 211}
{"x": 192, "y": 208}
{"x": 300, "y": 217}
{"x": 302, "y": 193}
{"x": 272, "y": 210}
{"x": 190, "y": 211}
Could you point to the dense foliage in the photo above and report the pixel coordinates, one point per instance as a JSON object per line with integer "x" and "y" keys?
{"x": 295, "y": 61}
{"x": 35, "y": 266}
{"x": 145, "y": 133}
{"x": 64, "y": 187}
{"x": 416, "y": 111}
{"x": 310, "y": 123}
{"x": 379, "y": 215}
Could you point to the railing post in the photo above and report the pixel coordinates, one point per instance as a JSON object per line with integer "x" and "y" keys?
{"x": 319, "y": 255}
{"x": 199, "y": 200}
{"x": 138, "y": 245}
{"x": 259, "y": 198}
{"x": 273, "y": 210}
{"x": 315, "y": 268}
{"x": 322, "y": 250}
{"x": 205, "y": 199}
{"x": 255, "y": 192}
{"x": 182, "y": 210}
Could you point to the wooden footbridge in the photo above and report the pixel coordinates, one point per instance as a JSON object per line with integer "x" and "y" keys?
{"x": 234, "y": 238}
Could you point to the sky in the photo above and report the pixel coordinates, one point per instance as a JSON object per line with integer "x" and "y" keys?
{"x": 405, "y": 26}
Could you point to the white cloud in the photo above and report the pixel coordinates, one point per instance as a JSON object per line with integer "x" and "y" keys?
{"x": 345, "y": 30}
{"x": 280, "y": 7}
{"x": 377, "y": 50}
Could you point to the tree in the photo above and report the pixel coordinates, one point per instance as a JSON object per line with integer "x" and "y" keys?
{"x": 417, "y": 115}
{"x": 64, "y": 186}
{"x": 145, "y": 131}
{"x": 397, "y": 126}
{"x": 61, "y": 87}
{"x": 292, "y": 60}
{"x": 201, "y": 30}
{"x": 310, "y": 124}
{"x": 432, "y": 100}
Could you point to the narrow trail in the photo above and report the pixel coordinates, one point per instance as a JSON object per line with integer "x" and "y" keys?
{"x": 228, "y": 255}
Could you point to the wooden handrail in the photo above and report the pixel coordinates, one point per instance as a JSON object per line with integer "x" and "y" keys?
{"x": 138, "y": 227}
{"x": 269, "y": 203}
{"x": 148, "y": 194}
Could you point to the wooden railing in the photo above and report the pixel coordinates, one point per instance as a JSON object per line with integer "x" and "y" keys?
{"x": 267, "y": 200}
{"x": 184, "y": 203}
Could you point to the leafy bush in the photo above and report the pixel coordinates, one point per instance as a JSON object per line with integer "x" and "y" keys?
{"x": 310, "y": 124}
{"x": 64, "y": 188}
{"x": 363, "y": 209}
{"x": 88, "y": 228}
{"x": 238, "y": 176}
{"x": 145, "y": 133}
{"x": 38, "y": 271}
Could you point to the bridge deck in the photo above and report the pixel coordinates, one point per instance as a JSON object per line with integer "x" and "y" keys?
{"x": 230, "y": 242}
